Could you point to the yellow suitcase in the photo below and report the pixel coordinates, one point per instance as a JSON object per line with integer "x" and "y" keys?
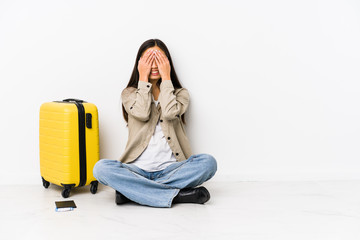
{"x": 69, "y": 144}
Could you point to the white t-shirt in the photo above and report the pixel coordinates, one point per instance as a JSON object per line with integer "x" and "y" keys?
{"x": 158, "y": 155}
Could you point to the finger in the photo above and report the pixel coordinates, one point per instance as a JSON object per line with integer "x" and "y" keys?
{"x": 146, "y": 55}
{"x": 159, "y": 57}
{"x": 160, "y": 54}
{"x": 149, "y": 58}
{"x": 157, "y": 61}
{"x": 152, "y": 60}
{"x": 163, "y": 57}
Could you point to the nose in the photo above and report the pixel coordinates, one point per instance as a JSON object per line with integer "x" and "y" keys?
{"x": 154, "y": 65}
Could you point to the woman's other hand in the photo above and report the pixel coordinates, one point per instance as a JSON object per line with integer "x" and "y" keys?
{"x": 163, "y": 65}
{"x": 144, "y": 66}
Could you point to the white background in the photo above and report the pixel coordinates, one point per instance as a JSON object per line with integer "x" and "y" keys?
{"x": 274, "y": 85}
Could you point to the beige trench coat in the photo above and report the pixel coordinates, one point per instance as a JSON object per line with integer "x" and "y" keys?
{"x": 143, "y": 116}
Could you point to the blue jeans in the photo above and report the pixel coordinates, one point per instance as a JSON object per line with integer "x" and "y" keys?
{"x": 156, "y": 189}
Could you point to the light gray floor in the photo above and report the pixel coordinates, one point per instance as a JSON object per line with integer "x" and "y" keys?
{"x": 237, "y": 210}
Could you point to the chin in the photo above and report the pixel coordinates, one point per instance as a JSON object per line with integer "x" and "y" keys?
{"x": 155, "y": 78}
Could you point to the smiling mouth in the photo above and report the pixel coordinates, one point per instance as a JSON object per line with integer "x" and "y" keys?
{"x": 155, "y": 73}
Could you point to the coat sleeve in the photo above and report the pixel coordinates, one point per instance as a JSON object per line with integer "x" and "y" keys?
{"x": 173, "y": 105}
{"x": 137, "y": 102}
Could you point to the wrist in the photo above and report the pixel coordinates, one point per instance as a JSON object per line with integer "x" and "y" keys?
{"x": 143, "y": 79}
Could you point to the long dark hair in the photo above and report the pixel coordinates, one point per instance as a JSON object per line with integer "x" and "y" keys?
{"x": 134, "y": 79}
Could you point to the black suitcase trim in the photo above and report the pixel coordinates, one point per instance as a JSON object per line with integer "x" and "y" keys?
{"x": 82, "y": 143}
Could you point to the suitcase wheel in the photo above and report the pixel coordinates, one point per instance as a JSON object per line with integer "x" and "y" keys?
{"x": 94, "y": 187}
{"x": 65, "y": 193}
{"x": 46, "y": 184}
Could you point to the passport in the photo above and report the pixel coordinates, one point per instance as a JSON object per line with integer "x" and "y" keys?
{"x": 63, "y": 206}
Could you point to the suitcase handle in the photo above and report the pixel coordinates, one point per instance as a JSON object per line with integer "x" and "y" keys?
{"x": 88, "y": 120}
{"x": 73, "y": 100}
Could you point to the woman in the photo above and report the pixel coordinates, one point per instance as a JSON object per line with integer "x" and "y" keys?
{"x": 157, "y": 167}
